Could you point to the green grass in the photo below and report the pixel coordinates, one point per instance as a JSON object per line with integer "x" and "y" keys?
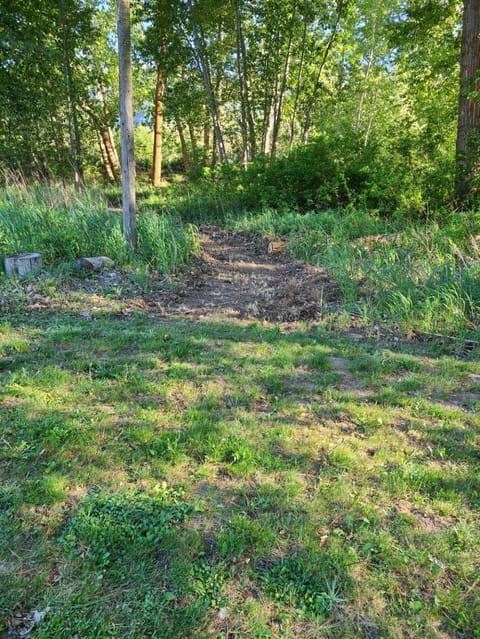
{"x": 171, "y": 478}
{"x": 168, "y": 478}
{"x": 422, "y": 277}
{"x": 63, "y": 225}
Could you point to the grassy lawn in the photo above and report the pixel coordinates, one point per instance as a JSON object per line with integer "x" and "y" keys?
{"x": 226, "y": 479}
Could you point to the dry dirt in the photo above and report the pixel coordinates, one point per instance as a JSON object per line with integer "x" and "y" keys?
{"x": 235, "y": 275}
{"x": 239, "y": 277}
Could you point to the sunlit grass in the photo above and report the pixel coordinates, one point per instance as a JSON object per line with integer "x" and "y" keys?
{"x": 278, "y": 495}
{"x": 63, "y": 225}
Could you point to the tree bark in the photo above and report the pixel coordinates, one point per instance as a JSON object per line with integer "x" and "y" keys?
{"x": 248, "y": 122}
{"x": 158, "y": 128}
{"x": 193, "y": 142}
{"x": 468, "y": 130}
{"x": 206, "y": 141}
{"x": 364, "y": 94}
{"x": 181, "y": 135}
{"x": 106, "y": 141}
{"x": 109, "y": 139}
{"x": 126, "y": 123}
{"x": 199, "y": 53}
{"x": 104, "y": 154}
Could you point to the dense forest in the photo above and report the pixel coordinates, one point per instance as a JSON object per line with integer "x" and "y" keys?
{"x": 363, "y": 96}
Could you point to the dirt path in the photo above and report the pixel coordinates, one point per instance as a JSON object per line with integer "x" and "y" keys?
{"x": 240, "y": 277}
{"x": 235, "y": 275}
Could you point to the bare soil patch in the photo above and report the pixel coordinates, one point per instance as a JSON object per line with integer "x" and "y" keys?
{"x": 239, "y": 276}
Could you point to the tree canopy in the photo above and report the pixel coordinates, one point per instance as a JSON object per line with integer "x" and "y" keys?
{"x": 242, "y": 80}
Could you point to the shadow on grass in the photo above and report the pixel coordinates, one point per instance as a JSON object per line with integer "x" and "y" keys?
{"x": 98, "y": 413}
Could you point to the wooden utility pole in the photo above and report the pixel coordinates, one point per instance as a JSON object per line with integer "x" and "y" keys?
{"x": 126, "y": 123}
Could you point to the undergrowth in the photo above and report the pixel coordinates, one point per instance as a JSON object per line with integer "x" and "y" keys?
{"x": 63, "y": 225}
{"x": 425, "y": 277}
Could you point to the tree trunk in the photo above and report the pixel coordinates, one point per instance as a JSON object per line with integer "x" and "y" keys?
{"x": 299, "y": 76}
{"x": 158, "y": 129}
{"x": 73, "y": 127}
{"x": 126, "y": 123}
{"x": 283, "y": 85}
{"x": 109, "y": 139}
{"x": 104, "y": 154}
{"x": 241, "y": 86}
{"x": 468, "y": 131}
{"x": 181, "y": 135}
{"x": 206, "y": 142}
{"x": 247, "y": 90}
{"x": 267, "y": 106}
{"x": 342, "y": 7}
{"x": 364, "y": 94}
{"x": 370, "y": 118}
{"x": 112, "y": 156}
{"x": 199, "y": 53}
{"x": 106, "y": 141}
{"x": 193, "y": 142}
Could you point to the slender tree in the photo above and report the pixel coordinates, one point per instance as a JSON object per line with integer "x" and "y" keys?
{"x": 126, "y": 123}
{"x": 468, "y": 130}
{"x": 204, "y": 66}
{"x": 158, "y": 127}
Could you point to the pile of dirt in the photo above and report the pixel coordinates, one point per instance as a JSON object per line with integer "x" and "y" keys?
{"x": 235, "y": 275}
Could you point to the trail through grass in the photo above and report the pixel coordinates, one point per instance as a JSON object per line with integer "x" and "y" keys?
{"x": 163, "y": 476}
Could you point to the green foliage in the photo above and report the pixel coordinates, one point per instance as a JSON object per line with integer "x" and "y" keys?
{"x": 291, "y": 581}
{"x": 107, "y": 527}
{"x": 209, "y": 582}
{"x": 336, "y": 170}
{"x": 62, "y": 225}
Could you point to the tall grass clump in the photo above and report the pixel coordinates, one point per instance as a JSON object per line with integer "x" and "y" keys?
{"x": 425, "y": 277}
{"x": 164, "y": 243}
{"x": 63, "y": 225}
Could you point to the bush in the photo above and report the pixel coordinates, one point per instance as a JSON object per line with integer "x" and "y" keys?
{"x": 336, "y": 171}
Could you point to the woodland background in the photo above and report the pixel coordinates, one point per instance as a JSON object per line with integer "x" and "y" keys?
{"x": 344, "y": 101}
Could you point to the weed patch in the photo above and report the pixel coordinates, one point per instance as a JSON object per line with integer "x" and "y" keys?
{"x": 106, "y": 527}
